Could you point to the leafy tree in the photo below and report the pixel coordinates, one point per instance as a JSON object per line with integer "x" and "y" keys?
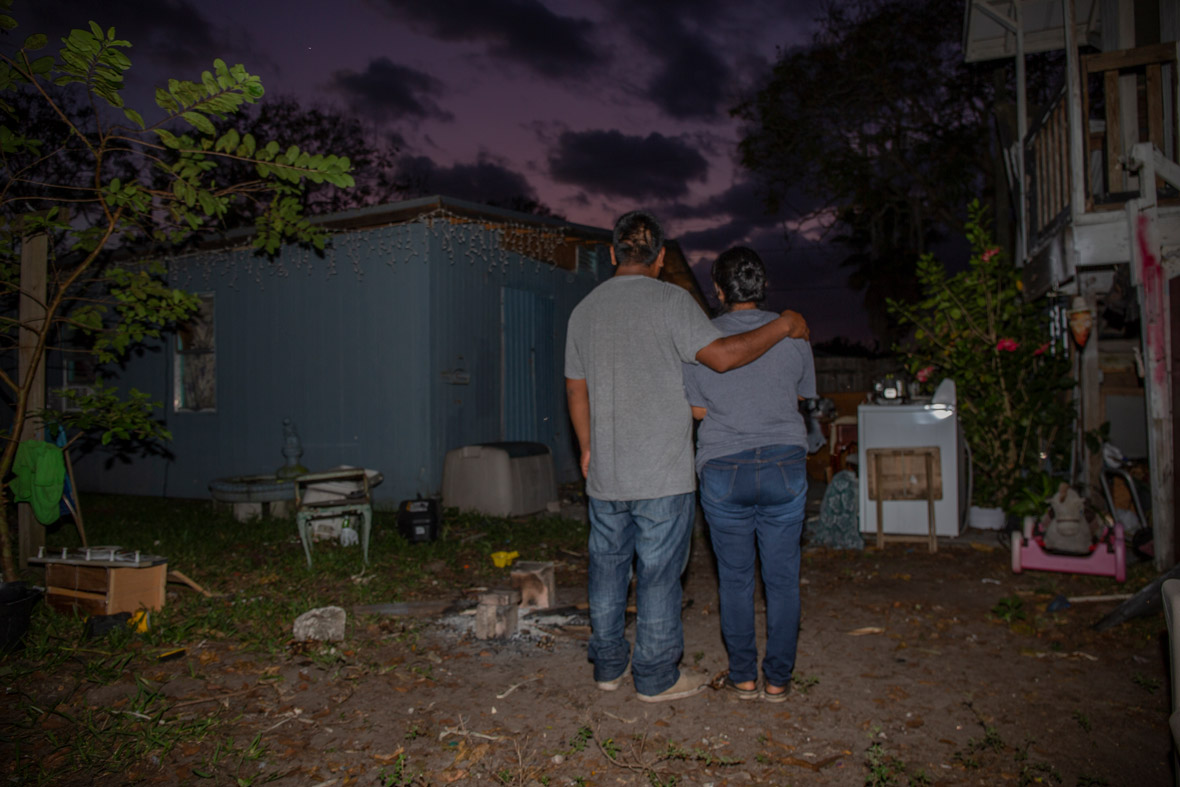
{"x": 1012, "y": 378}
{"x": 886, "y": 127}
{"x": 105, "y": 180}
{"x": 316, "y": 130}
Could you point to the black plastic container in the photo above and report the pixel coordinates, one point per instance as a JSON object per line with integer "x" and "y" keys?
{"x": 17, "y": 600}
{"x": 418, "y": 520}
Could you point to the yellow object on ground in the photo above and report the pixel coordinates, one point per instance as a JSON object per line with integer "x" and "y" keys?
{"x": 140, "y": 621}
{"x": 504, "y": 559}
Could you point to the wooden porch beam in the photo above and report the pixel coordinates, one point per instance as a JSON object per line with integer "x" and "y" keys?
{"x": 1130, "y": 58}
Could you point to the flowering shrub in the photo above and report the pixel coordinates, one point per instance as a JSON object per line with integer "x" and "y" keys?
{"x": 1012, "y": 382}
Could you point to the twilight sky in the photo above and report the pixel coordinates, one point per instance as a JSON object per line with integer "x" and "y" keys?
{"x": 594, "y": 107}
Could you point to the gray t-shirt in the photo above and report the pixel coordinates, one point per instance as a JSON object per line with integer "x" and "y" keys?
{"x": 756, "y": 404}
{"x": 628, "y": 339}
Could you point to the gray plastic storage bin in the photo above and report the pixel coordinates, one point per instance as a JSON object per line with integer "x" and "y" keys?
{"x": 500, "y": 479}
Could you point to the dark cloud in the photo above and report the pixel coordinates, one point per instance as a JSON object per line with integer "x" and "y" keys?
{"x": 170, "y": 33}
{"x": 692, "y": 81}
{"x": 743, "y": 204}
{"x": 388, "y": 90}
{"x": 741, "y": 216}
{"x": 613, "y": 164}
{"x": 484, "y": 181}
{"x": 715, "y": 239}
{"x": 522, "y": 31}
{"x": 742, "y": 199}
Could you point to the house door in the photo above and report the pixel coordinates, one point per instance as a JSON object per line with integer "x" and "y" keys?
{"x": 529, "y": 367}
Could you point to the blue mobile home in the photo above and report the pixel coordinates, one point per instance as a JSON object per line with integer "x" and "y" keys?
{"x": 426, "y": 325}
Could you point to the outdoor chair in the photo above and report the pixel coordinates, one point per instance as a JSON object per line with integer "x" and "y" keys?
{"x": 335, "y": 493}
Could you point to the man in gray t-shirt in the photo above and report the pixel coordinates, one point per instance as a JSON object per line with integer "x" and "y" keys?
{"x": 624, "y": 349}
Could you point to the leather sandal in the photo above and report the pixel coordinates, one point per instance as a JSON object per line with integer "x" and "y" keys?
{"x": 777, "y": 696}
{"x": 742, "y": 694}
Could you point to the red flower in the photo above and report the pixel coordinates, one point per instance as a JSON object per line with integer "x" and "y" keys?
{"x": 1041, "y": 350}
{"x": 987, "y": 255}
{"x": 924, "y": 374}
{"x": 1007, "y": 345}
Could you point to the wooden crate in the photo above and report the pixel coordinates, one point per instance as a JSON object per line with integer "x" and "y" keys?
{"x": 902, "y": 473}
{"x": 905, "y": 474}
{"x": 104, "y": 589}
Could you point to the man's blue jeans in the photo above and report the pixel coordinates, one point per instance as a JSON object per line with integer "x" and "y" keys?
{"x": 658, "y": 532}
{"x": 757, "y": 497}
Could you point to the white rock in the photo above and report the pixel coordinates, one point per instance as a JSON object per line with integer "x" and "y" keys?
{"x": 325, "y": 624}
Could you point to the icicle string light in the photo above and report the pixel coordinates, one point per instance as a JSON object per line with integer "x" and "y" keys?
{"x": 460, "y": 238}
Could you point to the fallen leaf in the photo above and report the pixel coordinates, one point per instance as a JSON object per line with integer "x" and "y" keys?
{"x": 385, "y": 758}
{"x": 860, "y": 632}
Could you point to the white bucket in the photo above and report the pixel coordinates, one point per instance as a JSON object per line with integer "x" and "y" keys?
{"x": 986, "y": 518}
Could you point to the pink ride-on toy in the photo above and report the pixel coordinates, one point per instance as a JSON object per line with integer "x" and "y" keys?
{"x": 1107, "y": 558}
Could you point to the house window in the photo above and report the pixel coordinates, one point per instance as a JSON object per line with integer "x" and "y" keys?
{"x": 79, "y": 370}
{"x": 588, "y": 258}
{"x": 195, "y": 362}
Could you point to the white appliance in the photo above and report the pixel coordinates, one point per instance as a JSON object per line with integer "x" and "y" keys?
{"x": 912, "y": 426}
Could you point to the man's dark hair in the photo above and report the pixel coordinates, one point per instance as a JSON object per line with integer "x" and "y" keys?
{"x": 740, "y": 275}
{"x": 638, "y": 238}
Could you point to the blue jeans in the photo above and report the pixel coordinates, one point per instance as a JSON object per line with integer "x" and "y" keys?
{"x": 757, "y": 497}
{"x": 658, "y": 532}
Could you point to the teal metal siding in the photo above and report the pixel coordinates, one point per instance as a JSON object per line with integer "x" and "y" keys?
{"x": 531, "y": 405}
{"x": 386, "y": 353}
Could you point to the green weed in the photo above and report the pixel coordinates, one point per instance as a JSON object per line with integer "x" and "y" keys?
{"x": 1009, "y": 609}
{"x": 1149, "y": 684}
{"x": 583, "y": 736}
{"x": 397, "y": 775}
{"x": 804, "y": 683}
{"x": 883, "y": 770}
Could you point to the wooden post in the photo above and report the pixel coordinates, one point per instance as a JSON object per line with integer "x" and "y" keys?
{"x": 1090, "y": 380}
{"x": 34, "y": 257}
{"x": 1077, "y": 185}
{"x": 1151, "y": 280}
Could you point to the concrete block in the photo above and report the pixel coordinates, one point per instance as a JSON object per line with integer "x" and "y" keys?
{"x": 495, "y": 616}
{"x": 536, "y": 583}
{"x": 325, "y": 624}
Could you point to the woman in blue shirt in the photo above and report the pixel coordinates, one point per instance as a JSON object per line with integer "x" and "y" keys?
{"x": 751, "y": 461}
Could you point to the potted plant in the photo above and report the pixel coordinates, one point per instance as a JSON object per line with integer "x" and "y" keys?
{"x": 1012, "y": 378}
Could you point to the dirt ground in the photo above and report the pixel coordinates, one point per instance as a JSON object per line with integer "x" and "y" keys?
{"x": 907, "y": 674}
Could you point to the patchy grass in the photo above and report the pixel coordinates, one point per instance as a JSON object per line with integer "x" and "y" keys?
{"x": 58, "y": 733}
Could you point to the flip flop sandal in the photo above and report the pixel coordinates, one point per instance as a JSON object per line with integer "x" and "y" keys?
{"x": 742, "y": 694}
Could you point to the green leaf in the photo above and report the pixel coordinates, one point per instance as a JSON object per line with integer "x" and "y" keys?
{"x": 42, "y": 65}
{"x": 7, "y": 22}
{"x": 134, "y": 117}
{"x": 168, "y": 138}
{"x": 36, "y": 41}
{"x": 200, "y": 122}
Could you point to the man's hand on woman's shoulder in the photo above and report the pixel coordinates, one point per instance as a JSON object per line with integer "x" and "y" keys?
{"x": 796, "y": 325}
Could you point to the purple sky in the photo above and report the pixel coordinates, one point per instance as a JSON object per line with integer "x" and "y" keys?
{"x": 592, "y": 107}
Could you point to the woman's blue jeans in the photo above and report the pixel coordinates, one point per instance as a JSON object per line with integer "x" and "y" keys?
{"x": 656, "y": 535}
{"x": 754, "y": 500}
